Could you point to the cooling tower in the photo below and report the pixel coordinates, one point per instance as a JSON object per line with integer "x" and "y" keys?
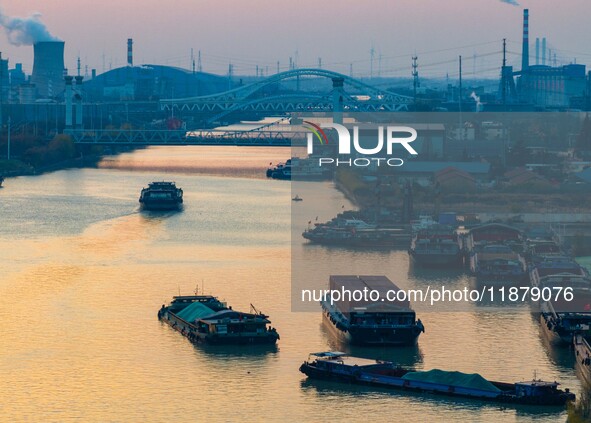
{"x": 48, "y": 68}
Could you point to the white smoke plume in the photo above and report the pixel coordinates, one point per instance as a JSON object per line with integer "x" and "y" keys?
{"x": 477, "y": 101}
{"x": 25, "y": 31}
{"x": 511, "y": 2}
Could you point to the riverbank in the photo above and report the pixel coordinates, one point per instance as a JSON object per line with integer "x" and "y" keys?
{"x": 367, "y": 192}
{"x": 13, "y": 168}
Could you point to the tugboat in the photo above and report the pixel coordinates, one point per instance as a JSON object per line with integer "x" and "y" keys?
{"x": 206, "y": 319}
{"x": 367, "y": 322}
{"x": 340, "y": 367}
{"x": 161, "y": 196}
{"x": 281, "y": 171}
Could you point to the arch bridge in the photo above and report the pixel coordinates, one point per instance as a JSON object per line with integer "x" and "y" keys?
{"x": 347, "y": 94}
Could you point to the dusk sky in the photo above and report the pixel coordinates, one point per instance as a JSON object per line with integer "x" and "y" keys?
{"x": 341, "y": 32}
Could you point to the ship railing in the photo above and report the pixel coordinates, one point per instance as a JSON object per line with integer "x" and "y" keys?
{"x": 390, "y": 326}
{"x": 585, "y": 343}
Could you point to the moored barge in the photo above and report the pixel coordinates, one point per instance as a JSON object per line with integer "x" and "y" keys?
{"x": 436, "y": 246}
{"x": 582, "y": 350}
{"x": 564, "y": 315}
{"x": 555, "y": 265}
{"x": 339, "y": 366}
{"x": 363, "y": 321}
{"x": 206, "y": 319}
{"x": 358, "y": 238}
{"x": 495, "y": 254}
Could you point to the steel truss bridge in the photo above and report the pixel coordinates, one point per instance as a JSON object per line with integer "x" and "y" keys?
{"x": 353, "y": 95}
{"x": 276, "y": 133}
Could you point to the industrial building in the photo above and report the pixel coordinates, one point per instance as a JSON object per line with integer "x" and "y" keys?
{"x": 544, "y": 86}
{"x": 127, "y": 83}
{"x": 151, "y": 83}
{"x": 552, "y": 87}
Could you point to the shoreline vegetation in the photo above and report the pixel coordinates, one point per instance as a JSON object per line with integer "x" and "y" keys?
{"x": 34, "y": 155}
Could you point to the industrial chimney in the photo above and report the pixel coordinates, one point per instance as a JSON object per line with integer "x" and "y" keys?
{"x": 48, "y": 68}
{"x": 525, "y": 47}
{"x": 537, "y": 51}
{"x": 129, "y": 52}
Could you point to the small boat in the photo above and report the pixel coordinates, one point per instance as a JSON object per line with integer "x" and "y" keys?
{"x": 161, "y": 196}
{"x": 341, "y": 367}
{"x": 1, "y": 180}
{"x": 297, "y": 198}
{"x": 206, "y": 319}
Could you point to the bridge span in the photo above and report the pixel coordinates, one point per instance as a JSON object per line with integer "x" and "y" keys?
{"x": 347, "y": 94}
{"x": 267, "y": 137}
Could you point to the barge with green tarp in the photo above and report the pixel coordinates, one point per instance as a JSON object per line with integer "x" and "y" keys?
{"x": 338, "y": 366}
{"x": 206, "y": 319}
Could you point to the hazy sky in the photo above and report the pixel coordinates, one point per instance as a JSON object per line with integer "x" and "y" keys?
{"x": 341, "y": 32}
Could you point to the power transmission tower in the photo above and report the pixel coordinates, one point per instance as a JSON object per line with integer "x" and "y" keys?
{"x": 415, "y": 77}
{"x": 372, "y": 53}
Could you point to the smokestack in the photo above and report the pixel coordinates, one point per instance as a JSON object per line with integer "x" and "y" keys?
{"x": 48, "y": 68}
{"x": 129, "y": 52}
{"x": 68, "y": 95}
{"x": 537, "y": 51}
{"x": 78, "y": 99}
{"x": 525, "y": 47}
{"x": 544, "y": 51}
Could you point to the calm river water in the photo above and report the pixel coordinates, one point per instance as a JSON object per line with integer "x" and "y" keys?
{"x": 84, "y": 272}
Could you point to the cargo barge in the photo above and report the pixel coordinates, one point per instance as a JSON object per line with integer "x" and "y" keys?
{"x": 299, "y": 169}
{"x": 497, "y": 263}
{"x": 358, "y": 238}
{"x": 582, "y": 350}
{"x": 562, "y": 318}
{"x": 555, "y": 265}
{"x": 340, "y": 367}
{"x": 363, "y": 321}
{"x": 436, "y": 246}
{"x": 161, "y": 196}
{"x": 205, "y": 319}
